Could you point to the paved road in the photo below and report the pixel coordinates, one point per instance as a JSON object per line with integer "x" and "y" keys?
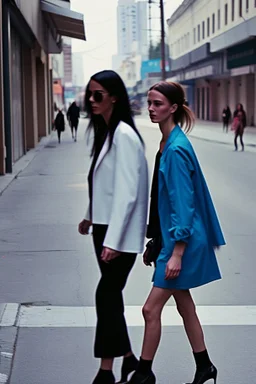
{"x": 48, "y": 267}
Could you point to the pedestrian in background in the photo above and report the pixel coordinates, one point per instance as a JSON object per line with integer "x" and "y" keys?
{"x": 190, "y": 232}
{"x": 59, "y": 124}
{"x": 238, "y": 125}
{"x": 118, "y": 192}
{"x": 73, "y": 115}
{"x": 226, "y": 115}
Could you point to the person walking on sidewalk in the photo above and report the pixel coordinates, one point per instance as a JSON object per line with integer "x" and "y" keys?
{"x": 190, "y": 232}
{"x": 226, "y": 115}
{"x": 59, "y": 124}
{"x": 118, "y": 191}
{"x": 73, "y": 115}
{"x": 238, "y": 125}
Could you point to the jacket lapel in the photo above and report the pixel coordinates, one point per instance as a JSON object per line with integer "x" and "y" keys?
{"x": 103, "y": 153}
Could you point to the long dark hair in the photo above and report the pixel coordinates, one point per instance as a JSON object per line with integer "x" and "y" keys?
{"x": 114, "y": 85}
{"x": 176, "y": 95}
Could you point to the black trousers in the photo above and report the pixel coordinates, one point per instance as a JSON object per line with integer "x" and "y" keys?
{"x": 112, "y": 338}
{"x": 59, "y": 134}
{"x": 239, "y": 133}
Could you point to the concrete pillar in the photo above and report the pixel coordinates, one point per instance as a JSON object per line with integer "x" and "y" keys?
{"x": 214, "y": 113}
{"x": 233, "y": 93}
{"x": 30, "y": 99}
{"x": 254, "y": 86}
{"x": 42, "y": 107}
{"x": 243, "y": 91}
{"x": 250, "y": 101}
{"x": 2, "y": 137}
{"x": 223, "y": 96}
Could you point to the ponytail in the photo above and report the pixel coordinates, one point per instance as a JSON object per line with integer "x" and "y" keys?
{"x": 185, "y": 117}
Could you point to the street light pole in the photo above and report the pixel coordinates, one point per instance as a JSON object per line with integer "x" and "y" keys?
{"x": 162, "y": 39}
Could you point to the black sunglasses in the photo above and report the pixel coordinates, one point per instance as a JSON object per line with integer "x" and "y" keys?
{"x": 97, "y": 96}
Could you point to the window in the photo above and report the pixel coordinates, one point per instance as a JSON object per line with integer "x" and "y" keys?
{"x": 198, "y": 33}
{"x": 233, "y": 10}
{"x": 208, "y": 26}
{"x": 203, "y": 30}
{"x": 218, "y": 18}
{"x": 226, "y": 14}
{"x": 194, "y": 30}
{"x": 213, "y": 23}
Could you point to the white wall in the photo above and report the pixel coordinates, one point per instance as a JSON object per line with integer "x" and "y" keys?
{"x": 181, "y": 32}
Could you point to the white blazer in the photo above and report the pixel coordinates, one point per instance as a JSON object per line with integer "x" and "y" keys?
{"x": 120, "y": 191}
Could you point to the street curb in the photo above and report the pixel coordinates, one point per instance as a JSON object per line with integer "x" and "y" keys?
{"x": 8, "y": 336}
{"x": 22, "y": 164}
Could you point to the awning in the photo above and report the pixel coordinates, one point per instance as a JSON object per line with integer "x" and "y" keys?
{"x": 66, "y": 22}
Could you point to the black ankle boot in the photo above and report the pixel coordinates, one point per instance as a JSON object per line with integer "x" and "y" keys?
{"x": 104, "y": 377}
{"x": 129, "y": 365}
{"x": 142, "y": 378}
{"x": 204, "y": 375}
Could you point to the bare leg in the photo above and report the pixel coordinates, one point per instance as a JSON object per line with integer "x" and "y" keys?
{"x": 152, "y": 314}
{"x": 187, "y": 310}
{"x": 107, "y": 364}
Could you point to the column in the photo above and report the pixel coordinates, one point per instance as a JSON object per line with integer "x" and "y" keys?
{"x": 254, "y": 86}
{"x": 41, "y": 98}
{"x": 30, "y": 99}
{"x": 2, "y": 136}
{"x": 250, "y": 99}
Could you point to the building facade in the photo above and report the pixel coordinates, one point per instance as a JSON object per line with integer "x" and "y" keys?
{"x": 132, "y": 27}
{"x": 132, "y": 35}
{"x": 30, "y": 31}
{"x": 213, "y": 54}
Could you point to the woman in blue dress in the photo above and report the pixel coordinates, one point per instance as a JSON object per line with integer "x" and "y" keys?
{"x": 189, "y": 228}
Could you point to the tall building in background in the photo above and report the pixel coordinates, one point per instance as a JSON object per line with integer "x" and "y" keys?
{"x": 132, "y": 44}
{"x": 132, "y": 27}
{"x": 67, "y": 56}
{"x": 126, "y": 26}
{"x": 142, "y": 29}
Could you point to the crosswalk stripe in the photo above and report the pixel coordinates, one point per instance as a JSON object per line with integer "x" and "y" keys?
{"x": 61, "y": 316}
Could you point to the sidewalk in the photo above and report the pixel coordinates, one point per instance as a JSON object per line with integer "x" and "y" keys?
{"x": 203, "y": 130}
{"x": 22, "y": 163}
{"x": 212, "y": 131}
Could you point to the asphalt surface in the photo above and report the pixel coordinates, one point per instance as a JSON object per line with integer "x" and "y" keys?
{"x": 45, "y": 262}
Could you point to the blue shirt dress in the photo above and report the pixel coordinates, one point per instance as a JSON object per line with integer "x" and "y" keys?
{"x": 186, "y": 214}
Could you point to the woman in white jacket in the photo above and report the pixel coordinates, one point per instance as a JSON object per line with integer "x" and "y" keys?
{"x": 118, "y": 195}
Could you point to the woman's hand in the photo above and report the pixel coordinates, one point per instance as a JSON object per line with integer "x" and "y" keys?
{"x": 173, "y": 267}
{"x": 109, "y": 254}
{"x": 83, "y": 227}
{"x": 145, "y": 258}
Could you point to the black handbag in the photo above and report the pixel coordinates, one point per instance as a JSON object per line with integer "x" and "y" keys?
{"x": 154, "y": 247}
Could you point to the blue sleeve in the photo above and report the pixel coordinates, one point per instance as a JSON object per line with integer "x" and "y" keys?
{"x": 178, "y": 178}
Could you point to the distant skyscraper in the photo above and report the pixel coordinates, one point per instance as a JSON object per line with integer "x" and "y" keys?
{"x": 132, "y": 22}
{"x": 142, "y": 28}
{"x": 67, "y": 54}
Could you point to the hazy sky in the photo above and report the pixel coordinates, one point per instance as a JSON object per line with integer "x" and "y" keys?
{"x": 100, "y": 27}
